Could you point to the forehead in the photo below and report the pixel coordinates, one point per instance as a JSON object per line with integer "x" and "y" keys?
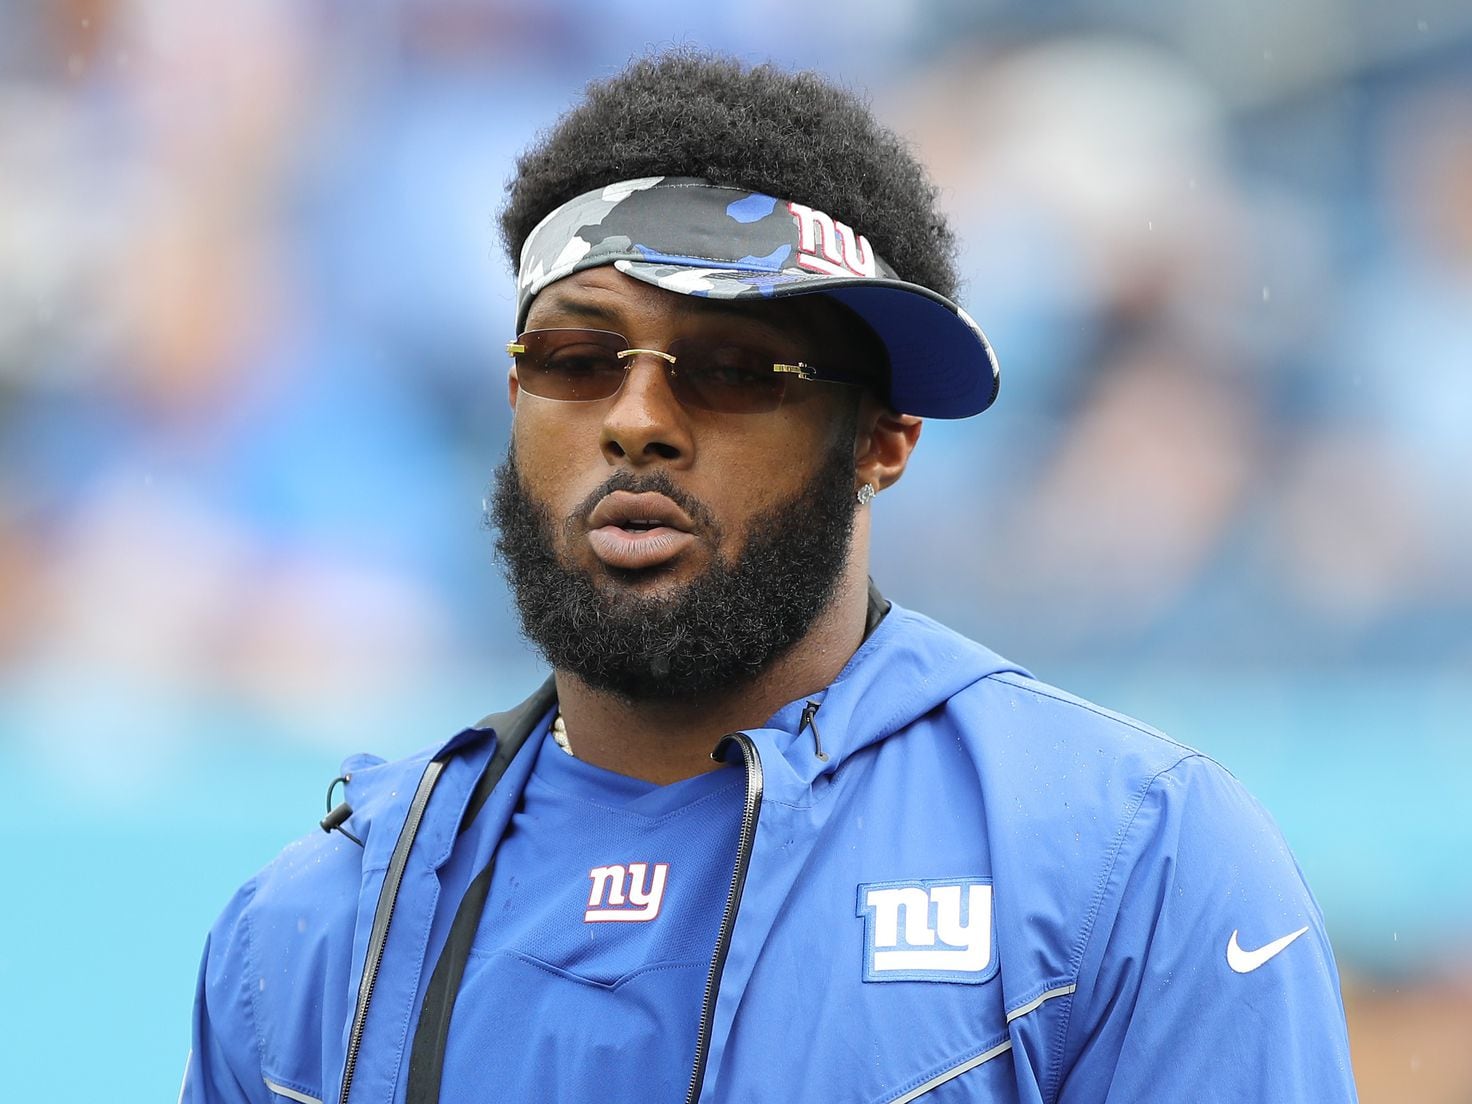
{"x": 607, "y": 297}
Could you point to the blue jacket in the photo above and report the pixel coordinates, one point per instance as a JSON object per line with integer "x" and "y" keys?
{"x": 983, "y": 889}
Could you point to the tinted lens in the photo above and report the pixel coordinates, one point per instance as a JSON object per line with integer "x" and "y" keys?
{"x": 570, "y": 365}
{"x": 732, "y": 379}
{"x": 577, "y": 365}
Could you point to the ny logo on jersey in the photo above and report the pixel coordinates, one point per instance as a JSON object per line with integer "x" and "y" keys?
{"x": 626, "y": 894}
{"x": 935, "y": 930}
{"x": 824, "y": 245}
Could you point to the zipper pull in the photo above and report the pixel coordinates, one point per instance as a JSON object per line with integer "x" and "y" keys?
{"x": 810, "y": 720}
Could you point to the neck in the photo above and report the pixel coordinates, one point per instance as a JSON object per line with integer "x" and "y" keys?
{"x": 664, "y": 741}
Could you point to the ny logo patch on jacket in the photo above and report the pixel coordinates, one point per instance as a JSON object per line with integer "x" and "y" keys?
{"x": 937, "y": 929}
{"x": 626, "y": 894}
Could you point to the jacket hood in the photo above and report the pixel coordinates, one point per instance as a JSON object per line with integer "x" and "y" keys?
{"x": 908, "y": 665}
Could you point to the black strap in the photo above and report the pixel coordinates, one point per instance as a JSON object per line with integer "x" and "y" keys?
{"x": 427, "y": 1058}
{"x": 878, "y": 607}
{"x": 512, "y": 728}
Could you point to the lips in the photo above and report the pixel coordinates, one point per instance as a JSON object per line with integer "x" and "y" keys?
{"x": 636, "y": 531}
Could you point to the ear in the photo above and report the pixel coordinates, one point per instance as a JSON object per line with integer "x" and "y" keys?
{"x": 883, "y": 443}
{"x": 513, "y": 386}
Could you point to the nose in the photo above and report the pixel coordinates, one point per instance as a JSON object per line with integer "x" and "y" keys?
{"x": 645, "y": 422}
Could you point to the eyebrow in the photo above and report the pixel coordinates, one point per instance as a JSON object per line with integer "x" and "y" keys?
{"x": 585, "y": 309}
{"x": 570, "y": 303}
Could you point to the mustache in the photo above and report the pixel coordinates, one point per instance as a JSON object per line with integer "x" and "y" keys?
{"x": 657, "y": 482}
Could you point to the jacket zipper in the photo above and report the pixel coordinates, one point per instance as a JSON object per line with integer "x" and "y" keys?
{"x": 745, "y": 840}
{"x": 383, "y": 916}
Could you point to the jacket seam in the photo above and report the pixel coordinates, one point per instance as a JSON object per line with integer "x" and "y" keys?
{"x": 268, "y": 1076}
{"x": 954, "y": 1069}
{"x": 274, "y": 1083}
{"x": 899, "y": 1092}
{"x": 1087, "y": 934}
{"x": 247, "y": 925}
{"x": 1038, "y": 995}
{"x": 1043, "y": 690}
{"x": 904, "y": 716}
{"x": 592, "y": 983}
{"x": 641, "y": 818}
{"x": 814, "y": 799}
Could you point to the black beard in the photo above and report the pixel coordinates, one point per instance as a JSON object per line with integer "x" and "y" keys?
{"x": 715, "y": 633}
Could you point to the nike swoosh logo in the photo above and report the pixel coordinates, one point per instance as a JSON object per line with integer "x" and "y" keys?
{"x": 1244, "y": 962}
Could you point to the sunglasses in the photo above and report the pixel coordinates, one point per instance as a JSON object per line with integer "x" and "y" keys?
{"x": 572, "y": 365}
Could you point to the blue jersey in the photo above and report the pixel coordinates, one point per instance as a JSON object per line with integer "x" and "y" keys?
{"x": 603, "y": 907}
{"x": 972, "y": 887}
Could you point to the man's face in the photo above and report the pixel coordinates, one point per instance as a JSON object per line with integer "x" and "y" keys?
{"x": 662, "y": 550}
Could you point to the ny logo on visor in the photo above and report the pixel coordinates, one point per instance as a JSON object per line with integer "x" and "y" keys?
{"x": 831, "y": 247}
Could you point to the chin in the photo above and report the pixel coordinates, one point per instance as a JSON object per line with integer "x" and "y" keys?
{"x": 667, "y": 582}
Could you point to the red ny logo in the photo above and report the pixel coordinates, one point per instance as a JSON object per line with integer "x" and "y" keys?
{"x": 830, "y": 247}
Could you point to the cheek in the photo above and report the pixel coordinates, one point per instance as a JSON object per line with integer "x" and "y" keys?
{"x": 796, "y": 441}
{"x": 767, "y": 461}
{"x": 553, "y": 455}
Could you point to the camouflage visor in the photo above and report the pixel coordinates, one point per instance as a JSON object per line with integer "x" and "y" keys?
{"x": 695, "y": 238}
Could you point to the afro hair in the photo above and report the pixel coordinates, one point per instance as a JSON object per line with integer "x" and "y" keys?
{"x": 790, "y": 135}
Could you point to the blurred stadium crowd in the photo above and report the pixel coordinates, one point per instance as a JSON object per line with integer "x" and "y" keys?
{"x": 252, "y": 306}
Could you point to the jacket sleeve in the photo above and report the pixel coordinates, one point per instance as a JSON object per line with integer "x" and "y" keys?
{"x": 224, "y": 1064}
{"x": 1206, "y": 974}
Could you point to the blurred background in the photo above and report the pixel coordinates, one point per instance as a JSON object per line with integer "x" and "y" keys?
{"x": 252, "y": 308}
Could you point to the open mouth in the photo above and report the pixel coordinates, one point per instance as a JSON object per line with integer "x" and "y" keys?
{"x": 639, "y": 512}
{"x": 636, "y": 531}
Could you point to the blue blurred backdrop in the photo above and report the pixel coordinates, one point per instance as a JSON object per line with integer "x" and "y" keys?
{"x": 251, "y": 391}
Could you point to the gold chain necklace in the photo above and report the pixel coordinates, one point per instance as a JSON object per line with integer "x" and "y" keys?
{"x": 559, "y": 733}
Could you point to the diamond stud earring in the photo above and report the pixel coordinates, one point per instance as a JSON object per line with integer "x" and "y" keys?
{"x": 866, "y": 494}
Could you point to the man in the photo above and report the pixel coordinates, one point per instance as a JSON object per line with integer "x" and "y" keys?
{"x": 763, "y": 835}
